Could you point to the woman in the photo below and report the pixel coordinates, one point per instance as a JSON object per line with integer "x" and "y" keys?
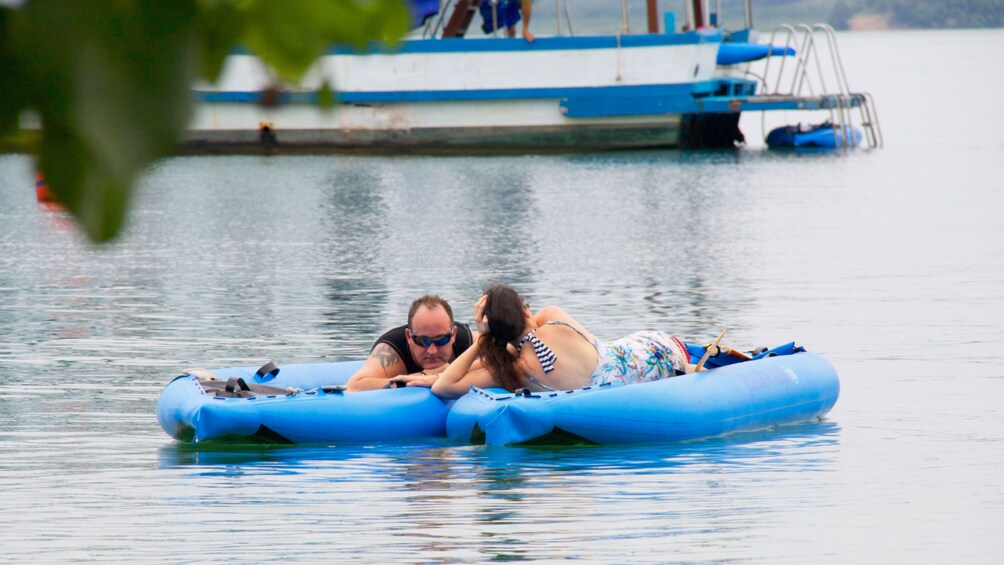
{"x": 551, "y": 351}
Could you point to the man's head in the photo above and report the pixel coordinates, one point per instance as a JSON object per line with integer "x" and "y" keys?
{"x": 430, "y": 331}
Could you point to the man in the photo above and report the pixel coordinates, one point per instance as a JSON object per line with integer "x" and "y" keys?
{"x": 414, "y": 354}
{"x": 506, "y": 13}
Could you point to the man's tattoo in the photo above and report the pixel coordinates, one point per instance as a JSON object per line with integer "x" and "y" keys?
{"x": 386, "y": 355}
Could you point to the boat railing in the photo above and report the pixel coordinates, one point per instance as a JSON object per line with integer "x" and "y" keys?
{"x": 811, "y": 76}
{"x": 561, "y": 10}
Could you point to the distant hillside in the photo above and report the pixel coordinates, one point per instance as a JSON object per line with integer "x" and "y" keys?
{"x": 913, "y": 14}
{"x": 604, "y": 16}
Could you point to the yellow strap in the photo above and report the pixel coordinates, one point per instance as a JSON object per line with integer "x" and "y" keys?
{"x": 707, "y": 351}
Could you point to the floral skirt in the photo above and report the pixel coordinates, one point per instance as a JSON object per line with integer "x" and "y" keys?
{"x": 640, "y": 357}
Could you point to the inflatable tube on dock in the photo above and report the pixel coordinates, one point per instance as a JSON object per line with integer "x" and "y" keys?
{"x": 823, "y": 136}
{"x": 741, "y": 396}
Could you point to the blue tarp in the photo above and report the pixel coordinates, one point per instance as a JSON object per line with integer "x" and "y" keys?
{"x": 422, "y": 10}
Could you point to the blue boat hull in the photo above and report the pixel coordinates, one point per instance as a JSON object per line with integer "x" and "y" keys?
{"x": 743, "y": 396}
{"x": 188, "y": 412}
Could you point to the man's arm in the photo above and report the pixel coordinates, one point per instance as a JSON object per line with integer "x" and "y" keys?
{"x": 382, "y": 365}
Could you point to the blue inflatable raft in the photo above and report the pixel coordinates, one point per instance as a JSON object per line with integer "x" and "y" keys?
{"x": 294, "y": 404}
{"x": 306, "y": 403}
{"x": 781, "y": 386}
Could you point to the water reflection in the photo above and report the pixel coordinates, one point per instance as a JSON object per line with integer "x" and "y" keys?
{"x": 505, "y": 237}
{"x": 495, "y": 467}
{"x": 609, "y": 230}
{"x": 319, "y": 263}
{"x": 615, "y": 230}
{"x": 472, "y": 503}
{"x": 352, "y": 232}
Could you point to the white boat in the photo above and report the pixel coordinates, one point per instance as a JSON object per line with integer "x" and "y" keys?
{"x": 447, "y": 93}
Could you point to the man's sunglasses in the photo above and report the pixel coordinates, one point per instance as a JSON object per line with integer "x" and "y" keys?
{"x": 438, "y": 341}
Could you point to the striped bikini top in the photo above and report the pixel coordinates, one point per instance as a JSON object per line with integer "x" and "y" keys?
{"x": 544, "y": 354}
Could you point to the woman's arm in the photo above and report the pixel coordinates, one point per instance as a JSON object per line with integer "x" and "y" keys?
{"x": 462, "y": 374}
{"x": 466, "y": 371}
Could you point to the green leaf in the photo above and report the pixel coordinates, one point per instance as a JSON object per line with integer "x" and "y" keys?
{"x": 219, "y": 27}
{"x": 326, "y": 97}
{"x": 290, "y": 35}
{"x": 112, "y": 94}
{"x": 110, "y": 79}
{"x": 364, "y": 21}
{"x": 13, "y": 96}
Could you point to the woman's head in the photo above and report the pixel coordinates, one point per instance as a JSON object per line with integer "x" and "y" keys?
{"x": 507, "y": 319}
{"x": 504, "y": 309}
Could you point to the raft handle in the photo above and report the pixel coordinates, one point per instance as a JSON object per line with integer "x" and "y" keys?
{"x": 235, "y": 383}
{"x": 268, "y": 371}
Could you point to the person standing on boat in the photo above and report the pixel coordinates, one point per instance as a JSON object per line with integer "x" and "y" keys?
{"x": 506, "y": 13}
{"x": 414, "y": 354}
{"x": 549, "y": 350}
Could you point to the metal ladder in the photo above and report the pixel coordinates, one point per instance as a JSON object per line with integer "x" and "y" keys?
{"x": 460, "y": 20}
{"x": 840, "y": 103}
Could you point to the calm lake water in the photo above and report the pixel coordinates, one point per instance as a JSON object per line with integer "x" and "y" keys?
{"x": 890, "y": 263}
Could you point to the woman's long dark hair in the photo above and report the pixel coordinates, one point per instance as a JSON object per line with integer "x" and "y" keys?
{"x": 504, "y": 309}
